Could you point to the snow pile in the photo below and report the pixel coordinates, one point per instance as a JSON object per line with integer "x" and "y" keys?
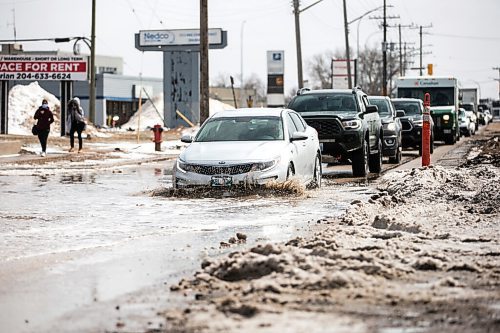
{"x": 23, "y": 103}
{"x": 152, "y": 113}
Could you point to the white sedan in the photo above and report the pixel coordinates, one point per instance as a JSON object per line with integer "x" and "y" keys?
{"x": 250, "y": 147}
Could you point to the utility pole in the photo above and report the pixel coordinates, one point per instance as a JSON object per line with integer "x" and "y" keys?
{"x": 204, "y": 97}
{"x": 296, "y": 12}
{"x": 384, "y": 47}
{"x": 92, "y": 67}
{"x": 498, "y": 69}
{"x": 421, "y": 66}
{"x": 384, "y": 52}
{"x": 347, "y": 53}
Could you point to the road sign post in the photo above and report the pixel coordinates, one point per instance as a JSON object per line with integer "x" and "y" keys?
{"x": 426, "y": 131}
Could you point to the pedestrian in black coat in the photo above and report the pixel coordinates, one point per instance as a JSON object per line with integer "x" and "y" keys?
{"x": 44, "y": 118}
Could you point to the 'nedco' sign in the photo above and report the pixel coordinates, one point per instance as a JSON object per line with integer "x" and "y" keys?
{"x": 177, "y": 37}
{"x": 42, "y": 67}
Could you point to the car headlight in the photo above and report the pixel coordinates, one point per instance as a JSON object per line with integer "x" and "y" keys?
{"x": 183, "y": 167}
{"x": 418, "y": 123}
{"x": 446, "y": 117}
{"x": 263, "y": 166}
{"x": 351, "y": 124}
{"x": 391, "y": 126}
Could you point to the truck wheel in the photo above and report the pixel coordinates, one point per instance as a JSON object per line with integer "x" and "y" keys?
{"x": 375, "y": 160}
{"x": 396, "y": 159}
{"x": 316, "y": 182}
{"x": 450, "y": 139}
{"x": 360, "y": 161}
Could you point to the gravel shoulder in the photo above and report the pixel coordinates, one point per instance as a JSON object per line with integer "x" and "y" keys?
{"x": 422, "y": 255}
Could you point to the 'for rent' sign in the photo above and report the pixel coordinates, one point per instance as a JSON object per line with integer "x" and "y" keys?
{"x": 41, "y": 67}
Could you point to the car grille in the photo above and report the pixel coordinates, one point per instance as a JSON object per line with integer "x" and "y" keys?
{"x": 406, "y": 125}
{"x": 221, "y": 170}
{"x": 326, "y": 128}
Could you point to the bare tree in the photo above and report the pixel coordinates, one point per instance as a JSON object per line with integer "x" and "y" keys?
{"x": 319, "y": 70}
{"x": 256, "y": 83}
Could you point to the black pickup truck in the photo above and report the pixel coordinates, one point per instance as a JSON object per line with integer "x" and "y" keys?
{"x": 349, "y": 128}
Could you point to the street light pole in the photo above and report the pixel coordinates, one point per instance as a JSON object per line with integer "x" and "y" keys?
{"x": 348, "y": 56}
{"x": 92, "y": 67}
{"x": 242, "y": 97}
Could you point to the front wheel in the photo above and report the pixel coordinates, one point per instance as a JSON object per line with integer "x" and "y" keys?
{"x": 360, "y": 161}
{"x": 316, "y": 182}
{"x": 290, "y": 172}
{"x": 396, "y": 159}
{"x": 375, "y": 160}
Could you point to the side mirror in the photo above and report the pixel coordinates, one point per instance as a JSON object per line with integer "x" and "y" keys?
{"x": 298, "y": 136}
{"x": 371, "y": 109}
{"x": 400, "y": 113}
{"x": 187, "y": 139}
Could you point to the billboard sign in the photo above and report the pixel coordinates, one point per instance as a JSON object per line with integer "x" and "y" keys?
{"x": 177, "y": 37}
{"x": 275, "y": 78}
{"x": 43, "y": 67}
{"x": 339, "y": 73}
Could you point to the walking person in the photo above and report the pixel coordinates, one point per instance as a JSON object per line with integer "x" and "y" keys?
{"x": 76, "y": 122}
{"x": 44, "y": 118}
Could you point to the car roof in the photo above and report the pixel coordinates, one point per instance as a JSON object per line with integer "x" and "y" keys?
{"x": 378, "y": 97}
{"x": 250, "y": 112}
{"x": 326, "y": 91}
{"x": 407, "y": 100}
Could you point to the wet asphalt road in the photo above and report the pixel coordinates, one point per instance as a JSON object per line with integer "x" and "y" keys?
{"x": 87, "y": 251}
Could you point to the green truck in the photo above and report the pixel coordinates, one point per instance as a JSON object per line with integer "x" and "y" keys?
{"x": 444, "y": 102}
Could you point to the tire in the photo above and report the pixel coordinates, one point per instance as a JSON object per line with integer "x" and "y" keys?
{"x": 468, "y": 133}
{"x": 290, "y": 172}
{"x": 360, "y": 161}
{"x": 375, "y": 160}
{"x": 316, "y": 182}
{"x": 450, "y": 139}
{"x": 396, "y": 159}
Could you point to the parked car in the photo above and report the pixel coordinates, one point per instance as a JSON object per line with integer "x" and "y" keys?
{"x": 487, "y": 117}
{"x": 469, "y": 107}
{"x": 392, "y": 142}
{"x": 250, "y": 147}
{"x": 467, "y": 126}
{"x": 412, "y": 121}
{"x": 349, "y": 128}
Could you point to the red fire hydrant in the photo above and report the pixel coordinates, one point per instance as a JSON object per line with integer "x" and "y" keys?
{"x": 157, "y": 130}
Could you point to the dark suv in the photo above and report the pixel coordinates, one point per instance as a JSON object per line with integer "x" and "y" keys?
{"x": 348, "y": 127}
{"x": 412, "y": 121}
{"x": 392, "y": 143}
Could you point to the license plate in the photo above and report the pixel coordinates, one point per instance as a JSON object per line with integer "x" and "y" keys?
{"x": 221, "y": 181}
{"x": 447, "y": 131}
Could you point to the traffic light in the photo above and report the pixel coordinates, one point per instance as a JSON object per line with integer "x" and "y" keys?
{"x": 429, "y": 69}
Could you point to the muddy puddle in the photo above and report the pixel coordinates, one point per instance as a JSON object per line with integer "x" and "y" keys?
{"x": 84, "y": 238}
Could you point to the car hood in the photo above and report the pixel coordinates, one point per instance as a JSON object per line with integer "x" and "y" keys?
{"x": 415, "y": 117}
{"x": 338, "y": 114}
{"x": 232, "y": 152}
{"x": 386, "y": 119}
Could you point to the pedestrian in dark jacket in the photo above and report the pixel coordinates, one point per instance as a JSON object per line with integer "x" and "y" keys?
{"x": 76, "y": 122}
{"x": 45, "y": 118}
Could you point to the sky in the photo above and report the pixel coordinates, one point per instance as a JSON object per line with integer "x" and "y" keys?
{"x": 464, "y": 40}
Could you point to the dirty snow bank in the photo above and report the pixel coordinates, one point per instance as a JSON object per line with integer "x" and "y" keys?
{"x": 422, "y": 254}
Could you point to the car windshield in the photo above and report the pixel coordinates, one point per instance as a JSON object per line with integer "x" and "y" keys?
{"x": 410, "y": 108}
{"x": 382, "y": 104}
{"x": 324, "y": 102}
{"x": 440, "y": 96}
{"x": 241, "y": 129}
{"x": 467, "y": 107}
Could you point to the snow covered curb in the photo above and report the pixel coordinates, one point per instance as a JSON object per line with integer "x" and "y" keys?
{"x": 420, "y": 254}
